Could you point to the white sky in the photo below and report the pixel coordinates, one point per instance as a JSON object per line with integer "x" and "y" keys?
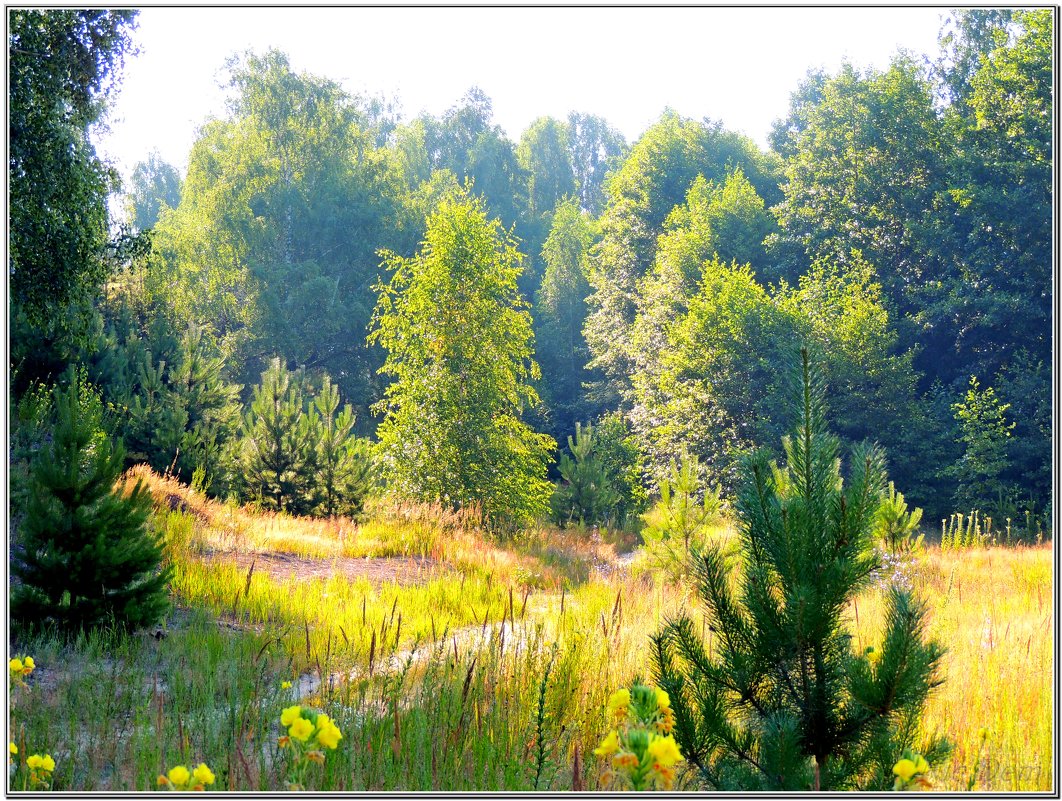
{"x": 738, "y": 65}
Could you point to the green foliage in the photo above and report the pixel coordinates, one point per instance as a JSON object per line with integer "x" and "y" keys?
{"x": 560, "y": 311}
{"x": 617, "y": 448}
{"x": 544, "y": 154}
{"x": 85, "y": 555}
{"x": 273, "y": 244}
{"x": 179, "y": 413}
{"x": 459, "y": 345}
{"x": 851, "y": 142}
{"x": 279, "y": 439}
{"x": 967, "y": 38}
{"x": 782, "y": 701}
{"x": 984, "y": 432}
{"x": 345, "y": 473}
{"x": 585, "y": 493}
{"x": 62, "y": 66}
{"x": 678, "y": 528}
{"x": 1025, "y": 385}
{"x": 30, "y": 421}
{"x": 714, "y": 382}
{"x": 641, "y": 194}
{"x": 596, "y": 149}
{"x": 156, "y": 187}
{"x": 894, "y": 526}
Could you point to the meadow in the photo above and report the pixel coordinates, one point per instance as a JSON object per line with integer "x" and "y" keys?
{"x": 453, "y": 660}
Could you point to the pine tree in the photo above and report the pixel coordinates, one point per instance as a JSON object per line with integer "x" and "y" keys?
{"x": 586, "y": 492}
{"x": 895, "y": 527}
{"x": 211, "y": 412}
{"x": 344, "y": 467}
{"x": 677, "y": 526}
{"x": 278, "y": 441}
{"x": 87, "y": 555}
{"x": 784, "y": 700}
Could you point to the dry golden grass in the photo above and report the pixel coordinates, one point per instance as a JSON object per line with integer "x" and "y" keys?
{"x": 991, "y": 608}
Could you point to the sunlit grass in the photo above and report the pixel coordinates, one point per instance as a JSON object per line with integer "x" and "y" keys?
{"x": 992, "y": 609}
{"x": 435, "y": 684}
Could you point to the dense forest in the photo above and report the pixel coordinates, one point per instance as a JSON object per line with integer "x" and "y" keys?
{"x": 335, "y": 302}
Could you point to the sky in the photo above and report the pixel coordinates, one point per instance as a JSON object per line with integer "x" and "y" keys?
{"x": 737, "y": 65}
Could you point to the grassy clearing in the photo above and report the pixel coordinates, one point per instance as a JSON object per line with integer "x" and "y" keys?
{"x": 490, "y": 673}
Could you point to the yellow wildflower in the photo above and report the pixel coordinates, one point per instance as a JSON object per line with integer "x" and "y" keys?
{"x": 328, "y": 733}
{"x": 905, "y": 769}
{"x": 619, "y": 701}
{"x": 921, "y": 766}
{"x": 873, "y": 655}
{"x": 203, "y": 774}
{"x": 664, "y": 750}
{"x": 609, "y": 745}
{"x": 663, "y": 700}
{"x": 301, "y": 729}
{"x": 290, "y": 715}
{"x": 48, "y": 763}
{"x": 15, "y": 666}
{"x": 179, "y": 776}
{"x": 34, "y": 761}
{"x": 285, "y": 685}
{"x": 12, "y": 749}
{"x": 28, "y": 665}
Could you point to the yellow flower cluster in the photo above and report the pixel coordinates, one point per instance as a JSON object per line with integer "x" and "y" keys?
{"x": 179, "y": 778}
{"x": 40, "y": 769}
{"x": 912, "y": 771}
{"x": 639, "y": 752}
{"x": 18, "y": 668}
{"x": 319, "y": 727}
{"x": 300, "y": 729}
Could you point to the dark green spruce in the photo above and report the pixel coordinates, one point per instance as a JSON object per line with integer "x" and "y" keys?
{"x": 87, "y": 556}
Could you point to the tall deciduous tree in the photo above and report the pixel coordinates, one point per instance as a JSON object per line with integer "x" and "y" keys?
{"x": 62, "y": 66}
{"x": 155, "y": 186}
{"x": 596, "y": 149}
{"x": 544, "y": 154}
{"x": 560, "y": 311}
{"x": 641, "y": 194}
{"x": 274, "y": 242}
{"x": 459, "y": 348}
